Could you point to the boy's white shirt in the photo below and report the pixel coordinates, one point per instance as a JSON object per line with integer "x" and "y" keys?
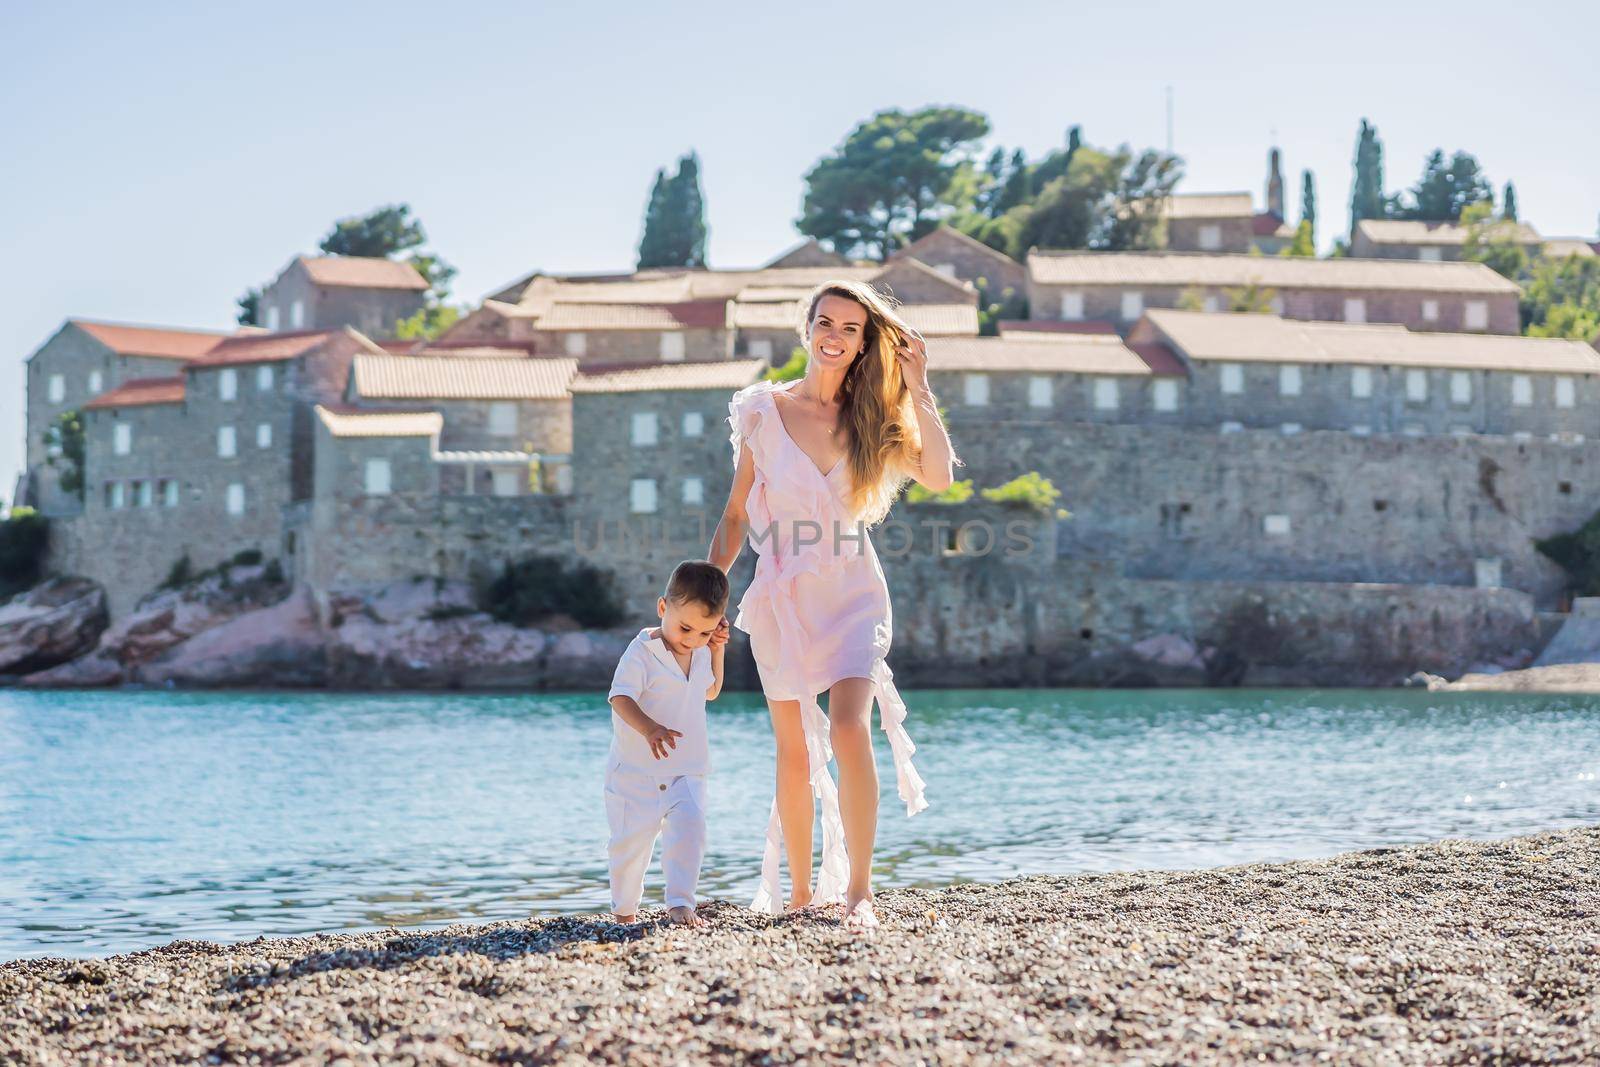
{"x": 649, "y": 673}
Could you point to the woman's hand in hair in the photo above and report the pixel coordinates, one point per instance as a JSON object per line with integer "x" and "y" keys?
{"x": 912, "y": 352}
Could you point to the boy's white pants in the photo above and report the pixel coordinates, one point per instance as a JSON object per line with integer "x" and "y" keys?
{"x": 641, "y": 807}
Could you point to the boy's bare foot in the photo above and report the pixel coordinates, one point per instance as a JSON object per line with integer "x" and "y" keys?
{"x": 684, "y": 916}
{"x": 624, "y": 918}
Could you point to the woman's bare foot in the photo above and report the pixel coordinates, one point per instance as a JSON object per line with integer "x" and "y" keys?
{"x": 798, "y": 902}
{"x": 684, "y": 916}
{"x": 858, "y": 911}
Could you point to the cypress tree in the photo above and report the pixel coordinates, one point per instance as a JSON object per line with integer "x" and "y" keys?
{"x": 691, "y": 205}
{"x": 1508, "y": 206}
{"x": 1018, "y": 188}
{"x": 995, "y": 170}
{"x": 1308, "y": 202}
{"x": 651, "y": 252}
{"x": 1366, "y": 195}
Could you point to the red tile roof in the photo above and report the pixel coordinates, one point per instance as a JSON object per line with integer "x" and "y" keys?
{"x": 137, "y": 391}
{"x": 160, "y": 342}
{"x": 263, "y": 348}
{"x": 362, "y": 272}
{"x": 1162, "y": 359}
{"x": 1265, "y": 224}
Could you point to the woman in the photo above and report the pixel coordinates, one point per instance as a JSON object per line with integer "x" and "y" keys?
{"x": 817, "y": 462}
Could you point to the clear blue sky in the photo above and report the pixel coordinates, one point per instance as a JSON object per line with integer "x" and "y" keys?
{"x": 161, "y": 158}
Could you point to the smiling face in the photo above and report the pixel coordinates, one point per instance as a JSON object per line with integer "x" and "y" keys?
{"x": 686, "y": 626}
{"x": 837, "y": 332}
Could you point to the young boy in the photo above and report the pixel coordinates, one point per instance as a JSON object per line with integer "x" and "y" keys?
{"x": 656, "y": 770}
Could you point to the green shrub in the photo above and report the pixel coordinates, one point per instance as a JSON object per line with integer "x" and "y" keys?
{"x": 1030, "y": 490}
{"x": 534, "y": 588}
{"x": 247, "y": 557}
{"x": 1577, "y": 553}
{"x": 793, "y": 369}
{"x": 24, "y": 539}
{"x": 956, "y": 493}
{"x": 181, "y": 574}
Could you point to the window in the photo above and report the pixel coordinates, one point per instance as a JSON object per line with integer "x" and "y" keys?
{"x": 1105, "y": 394}
{"x": 1071, "y": 306}
{"x": 121, "y": 438}
{"x": 1039, "y": 391}
{"x": 263, "y": 379}
{"x": 114, "y": 495}
{"x": 1211, "y": 237}
{"x": 1460, "y": 387}
{"x": 1360, "y": 382}
{"x": 236, "y": 499}
{"x": 1132, "y": 304}
{"x": 1289, "y": 380}
{"x": 1230, "y": 427}
{"x": 96, "y": 381}
{"x": 577, "y": 344}
{"x": 1164, "y": 394}
{"x": 503, "y": 418}
{"x": 1413, "y": 429}
{"x": 1522, "y": 435}
{"x": 1475, "y": 316}
{"x": 1431, "y": 254}
{"x": 761, "y": 349}
{"x": 1275, "y": 525}
{"x": 1460, "y": 431}
{"x": 506, "y": 481}
{"x": 169, "y": 492}
{"x": 227, "y": 384}
{"x": 947, "y": 269}
{"x": 642, "y": 496}
{"x": 379, "y": 478}
{"x": 1211, "y": 305}
{"x": 672, "y": 348}
{"x": 272, "y": 316}
{"x": 144, "y": 492}
{"x": 644, "y": 427}
{"x": 297, "y": 314}
{"x": 1566, "y": 393}
{"x": 1361, "y": 429}
{"x": 976, "y": 389}
{"x": 1232, "y": 378}
{"x": 226, "y": 444}
{"x": 1355, "y": 310}
{"x": 58, "y": 388}
{"x": 1521, "y": 390}
{"x": 694, "y": 491}
{"x": 694, "y": 424}
{"x": 264, "y": 435}
{"x": 1416, "y": 385}
{"x": 1430, "y": 311}
{"x": 1289, "y": 429}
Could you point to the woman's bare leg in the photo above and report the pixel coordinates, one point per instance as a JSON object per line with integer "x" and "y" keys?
{"x": 850, "y": 725}
{"x": 797, "y": 810}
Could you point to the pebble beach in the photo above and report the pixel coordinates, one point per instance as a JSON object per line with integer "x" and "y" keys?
{"x": 1451, "y": 952}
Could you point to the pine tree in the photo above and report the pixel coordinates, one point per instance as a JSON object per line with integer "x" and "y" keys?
{"x": 995, "y": 171}
{"x": 651, "y": 251}
{"x": 1508, "y": 206}
{"x": 1308, "y": 202}
{"x": 1018, "y": 188}
{"x": 1366, "y": 196}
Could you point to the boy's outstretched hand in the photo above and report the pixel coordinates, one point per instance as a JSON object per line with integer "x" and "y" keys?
{"x": 719, "y": 636}
{"x": 661, "y": 739}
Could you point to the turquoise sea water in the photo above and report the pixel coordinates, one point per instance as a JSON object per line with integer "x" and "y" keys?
{"x": 130, "y": 819}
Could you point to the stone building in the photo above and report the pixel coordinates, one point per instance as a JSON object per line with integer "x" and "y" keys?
{"x": 1209, "y": 222}
{"x": 953, "y": 253}
{"x": 327, "y": 292}
{"x": 1430, "y": 242}
{"x": 83, "y": 360}
{"x": 1119, "y": 286}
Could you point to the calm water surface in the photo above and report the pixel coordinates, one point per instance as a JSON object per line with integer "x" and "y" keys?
{"x": 130, "y": 819}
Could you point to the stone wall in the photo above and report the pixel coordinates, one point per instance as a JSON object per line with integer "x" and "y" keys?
{"x": 372, "y": 311}
{"x": 1233, "y": 234}
{"x": 629, "y": 346}
{"x": 543, "y": 426}
{"x": 942, "y": 248}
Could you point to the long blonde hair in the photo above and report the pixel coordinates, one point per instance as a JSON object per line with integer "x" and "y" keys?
{"x": 885, "y": 442}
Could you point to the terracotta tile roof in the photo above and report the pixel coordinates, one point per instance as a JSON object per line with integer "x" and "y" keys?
{"x": 1082, "y": 355}
{"x": 1049, "y": 326}
{"x": 1208, "y": 206}
{"x": 1181, "y": 269}
{"x": 671, "y": 376}
{"x": 348, "y": 422}
{"x": 1415, "y": 232}
{"x": 690, "y": 315}
{"x": 457, "y": 378}
{"x": 1269, "y": 339}
{"x": 263, "y": 348}
{"x": 160, "y": 342}
{"x": 137, "y": 391}
{"x": 362, "y": 272}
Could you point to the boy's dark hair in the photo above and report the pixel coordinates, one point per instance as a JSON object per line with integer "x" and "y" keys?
{"x": 698, "y": 581}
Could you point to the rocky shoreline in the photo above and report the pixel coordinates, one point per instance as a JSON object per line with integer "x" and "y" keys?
{"x": 1454, "y": 952}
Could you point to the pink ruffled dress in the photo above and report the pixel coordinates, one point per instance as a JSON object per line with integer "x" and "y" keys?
{"x": 816, "y": 611}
